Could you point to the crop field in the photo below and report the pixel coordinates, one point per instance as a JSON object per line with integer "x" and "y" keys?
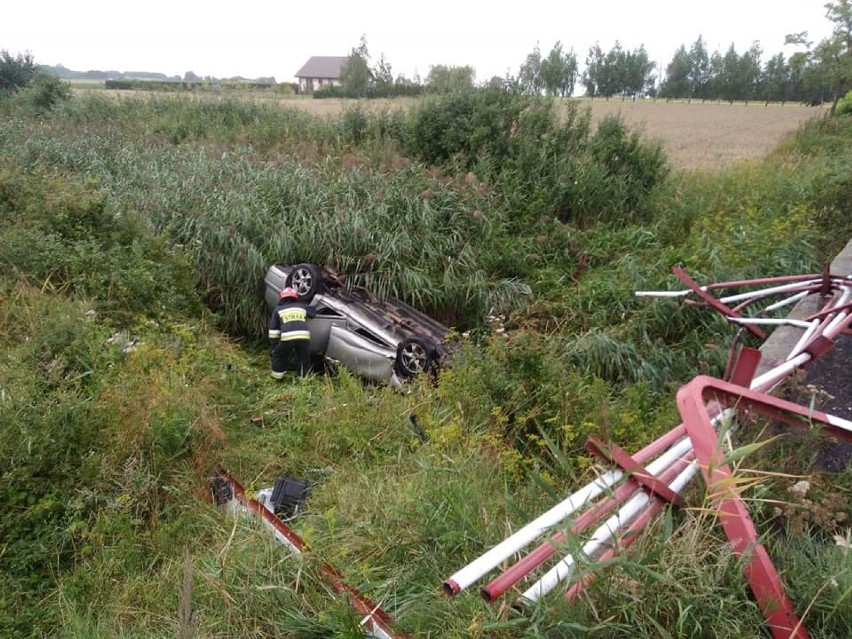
{"x": 711, "y": 136}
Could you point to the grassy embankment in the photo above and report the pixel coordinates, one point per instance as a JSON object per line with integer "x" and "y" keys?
{"x": 135, "y": 235}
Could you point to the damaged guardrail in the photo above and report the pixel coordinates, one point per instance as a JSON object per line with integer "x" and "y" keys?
{"x": 230, "y": 493}
{"x": 676, "y": 457}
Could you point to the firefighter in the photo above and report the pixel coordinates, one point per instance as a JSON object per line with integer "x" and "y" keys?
{"x": 288, "y": 333}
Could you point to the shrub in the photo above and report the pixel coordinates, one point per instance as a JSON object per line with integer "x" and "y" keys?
{"x": 541, "y": 164}
{"x": 16, "y": 72}
{"x": 86, "y": 247}
{"x": 47, "y": 91}
{"x": 844, "y": 105}
{"x": 464, "y": 127}
{"x": 630, "y": 169}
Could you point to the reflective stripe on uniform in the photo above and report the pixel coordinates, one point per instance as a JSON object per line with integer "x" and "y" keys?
{"x": 274, "y": 334}
{"x": 292, "y": 315}
{"x": 278, "y": 375}
{"x": 291, "y": 335}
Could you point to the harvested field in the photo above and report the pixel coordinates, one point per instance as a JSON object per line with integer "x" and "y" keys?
{"x": 711, "y": 136}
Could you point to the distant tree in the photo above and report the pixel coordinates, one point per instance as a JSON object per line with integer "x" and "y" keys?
{"x": 699, "y": 72}
{"x": 610, "y": 72}
{"x": 497, "y": 83}
{"x": 445, "y": 79}
{"x": 550, "y": 70}
{"x": 558, "y": 71}
{"x": 735, "y": 76}
{"x": 619, "y": 72}
{"x": 16, "y": 72}
{"x": 382, "y": 73}
{"x": 638, "y": 74}
{"x": 727, "y": 74}
{"x": 688, "y": 74}
{"x": 189, "y": 76}
{"x": 594, "y": 67}
{"x": 529, "y": 77}
{"x": 678, "y": 83}
{"x": 570, "y": 73}
{"x": 777, "y": 80}
{"x": 355, "y": 73}
{"x": 829, "y": 63}
{"x": 717, "y": 73}
{"x": 750, "y": 74}
{"x": 59, "y": 71}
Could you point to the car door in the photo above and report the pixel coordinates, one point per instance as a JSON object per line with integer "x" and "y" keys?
{"x": 361, "y": 353}
{"x": 325, "y": 317}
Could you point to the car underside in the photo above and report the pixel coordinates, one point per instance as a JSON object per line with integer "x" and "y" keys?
{"x": 378, "y": 339}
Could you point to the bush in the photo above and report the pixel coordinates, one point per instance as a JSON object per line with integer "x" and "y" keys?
{"x": 47, "y": 91}
{"x": 87, "y": 248}
{"x": 465, "y": 127}
{"x": 16, "y": 72}
{"x": 630, "y": 168}
{"x": 51, "y": 361}
{"x": 541, "y": 164}
{"x": 844, "y": 105}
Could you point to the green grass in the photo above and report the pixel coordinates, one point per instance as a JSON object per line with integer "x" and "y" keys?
{"x": 134, "y": 235}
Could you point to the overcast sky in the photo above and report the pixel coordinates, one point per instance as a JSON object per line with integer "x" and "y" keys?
{"x": 262, "y": 38}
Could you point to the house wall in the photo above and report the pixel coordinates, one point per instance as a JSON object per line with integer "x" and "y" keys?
{"x": 309, "y": 85}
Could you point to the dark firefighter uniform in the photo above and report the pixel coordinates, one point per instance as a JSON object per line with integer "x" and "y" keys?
{"x": 288, "y": 333}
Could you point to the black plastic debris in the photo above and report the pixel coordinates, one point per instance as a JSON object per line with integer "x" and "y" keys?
{"x": 222, "y": 492}
{"x": 288, "y": 497}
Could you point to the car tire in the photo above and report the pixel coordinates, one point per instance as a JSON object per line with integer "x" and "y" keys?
{"x": 414, "y": 356}
{"x": 306, "y": 280}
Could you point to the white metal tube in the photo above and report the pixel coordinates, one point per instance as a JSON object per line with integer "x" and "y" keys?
{"x": 787, "y": 301}
{"x": 769, "y": 321}
{"x": 374, "y": 628}
{"x": 512, "y": 544}
{"x": 832, "y": 328}
{"x": 763, "y": 292}
{"x": 839, "y": 422}
{"x": 663, "y": 293}
{"x": 775, "y": 375}
{"x": 564, "y": 509}
{"x": 829, "y": 329}
{"x": 281, "y": 539}
{"x": 602, "y": 537}
{"x": 805, "y": 338}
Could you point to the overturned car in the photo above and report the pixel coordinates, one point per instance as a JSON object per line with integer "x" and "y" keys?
{"x": 378, "y": 339}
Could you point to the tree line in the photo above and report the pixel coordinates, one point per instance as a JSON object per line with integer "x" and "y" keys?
{"x": 819, "y": 72}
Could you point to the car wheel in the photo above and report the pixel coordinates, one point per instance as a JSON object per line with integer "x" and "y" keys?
{"x": 414, "y": 356}
{"x": 306, "y": 280}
